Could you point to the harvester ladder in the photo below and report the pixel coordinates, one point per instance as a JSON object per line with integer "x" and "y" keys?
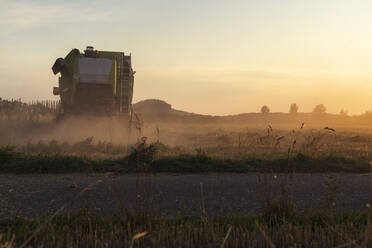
{"x": 125, "y": 85}
{"x": 121, "y": 68}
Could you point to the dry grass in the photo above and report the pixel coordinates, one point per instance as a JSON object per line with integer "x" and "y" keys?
{"x": 84, "y": 229}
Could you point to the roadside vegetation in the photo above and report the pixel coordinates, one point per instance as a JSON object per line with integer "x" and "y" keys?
{"x": 87, "y": 229}
{"x": 156, "y": 157}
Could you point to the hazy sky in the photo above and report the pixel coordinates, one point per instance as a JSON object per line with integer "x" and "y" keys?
{"x": 204, "y": 56}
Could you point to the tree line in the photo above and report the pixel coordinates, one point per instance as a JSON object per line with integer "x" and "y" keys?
{"x": 293, "y": 109}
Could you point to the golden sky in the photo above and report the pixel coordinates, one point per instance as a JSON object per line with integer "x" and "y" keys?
{"x": 211, "y": 57}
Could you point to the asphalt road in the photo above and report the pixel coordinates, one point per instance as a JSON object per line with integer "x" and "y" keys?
{"x": 35, "y": 195}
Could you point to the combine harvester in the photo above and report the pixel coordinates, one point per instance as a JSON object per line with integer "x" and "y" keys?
{"x": 98, "y": 83}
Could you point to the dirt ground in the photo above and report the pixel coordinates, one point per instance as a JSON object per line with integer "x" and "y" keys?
{"x": 35, "y": 195}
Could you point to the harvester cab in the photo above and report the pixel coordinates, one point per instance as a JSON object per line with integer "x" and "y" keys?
{"x": 95, "y": 82}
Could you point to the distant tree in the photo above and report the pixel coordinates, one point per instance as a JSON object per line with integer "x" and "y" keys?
{"x": 319, "y": 109}
{"x": 265, "y": 109}
{"x": 293, "y": 109}
{"x": 367, "y": 114}
{"x": 343, "y": 113}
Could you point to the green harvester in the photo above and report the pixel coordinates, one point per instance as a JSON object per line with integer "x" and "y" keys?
{"x": 95, "y": 82}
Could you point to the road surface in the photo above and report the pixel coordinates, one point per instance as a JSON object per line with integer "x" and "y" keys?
{"x": 177, "y": 194}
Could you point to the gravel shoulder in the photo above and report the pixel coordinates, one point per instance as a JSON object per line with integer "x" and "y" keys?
{"x": 176, "y": 194}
